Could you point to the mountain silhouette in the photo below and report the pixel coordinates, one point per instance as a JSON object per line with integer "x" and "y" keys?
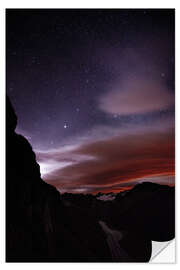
{"x": 43, "y": 225}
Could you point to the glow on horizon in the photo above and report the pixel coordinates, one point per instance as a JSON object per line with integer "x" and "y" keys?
{"x": 46, "y": 168}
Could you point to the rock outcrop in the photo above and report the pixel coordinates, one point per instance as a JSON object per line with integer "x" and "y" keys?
{"x": 39, "y": 227}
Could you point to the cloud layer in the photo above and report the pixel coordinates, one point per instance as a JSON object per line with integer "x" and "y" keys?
{"x": 136, "y": 96}
{"x": 112, "y": 164}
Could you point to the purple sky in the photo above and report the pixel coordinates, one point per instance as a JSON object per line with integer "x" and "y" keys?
{"x": 94, "y": 94}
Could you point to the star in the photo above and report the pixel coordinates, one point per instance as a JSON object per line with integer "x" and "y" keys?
{"x": 86, "y": 70}
{"x": 65, "y": 126}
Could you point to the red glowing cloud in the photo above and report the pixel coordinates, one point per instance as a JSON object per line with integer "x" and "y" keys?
{"x": 114, "y": 163}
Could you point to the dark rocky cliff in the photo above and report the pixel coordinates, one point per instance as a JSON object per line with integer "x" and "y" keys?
{"x": 38, "y": 225}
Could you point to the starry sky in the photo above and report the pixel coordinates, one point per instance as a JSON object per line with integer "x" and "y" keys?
{"x": 93, "y": 90}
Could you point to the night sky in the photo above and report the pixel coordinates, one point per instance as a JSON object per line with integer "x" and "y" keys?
{"x": 94, "y": 94}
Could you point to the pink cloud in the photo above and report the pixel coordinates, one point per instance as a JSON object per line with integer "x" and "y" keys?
{"x": 136, "y": 96}
{"x": 114, "y": 163}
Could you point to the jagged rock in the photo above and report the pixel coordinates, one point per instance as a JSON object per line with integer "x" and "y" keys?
{"x": 148, "y": 209}
{"x": 39, "y": 227}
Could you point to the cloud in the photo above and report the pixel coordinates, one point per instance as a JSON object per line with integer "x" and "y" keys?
{"x": 115, "y": 163}
{"x": 136, "y": 96}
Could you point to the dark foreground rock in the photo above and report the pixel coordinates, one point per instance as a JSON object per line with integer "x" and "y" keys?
{"x": 44, "y": 226}
{"x": 39, "y": 227}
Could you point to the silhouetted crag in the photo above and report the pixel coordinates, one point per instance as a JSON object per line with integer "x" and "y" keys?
{"x": 148, "y": 209}
{"x": 39, "y": 227}
{"x": 44, "y": 225}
